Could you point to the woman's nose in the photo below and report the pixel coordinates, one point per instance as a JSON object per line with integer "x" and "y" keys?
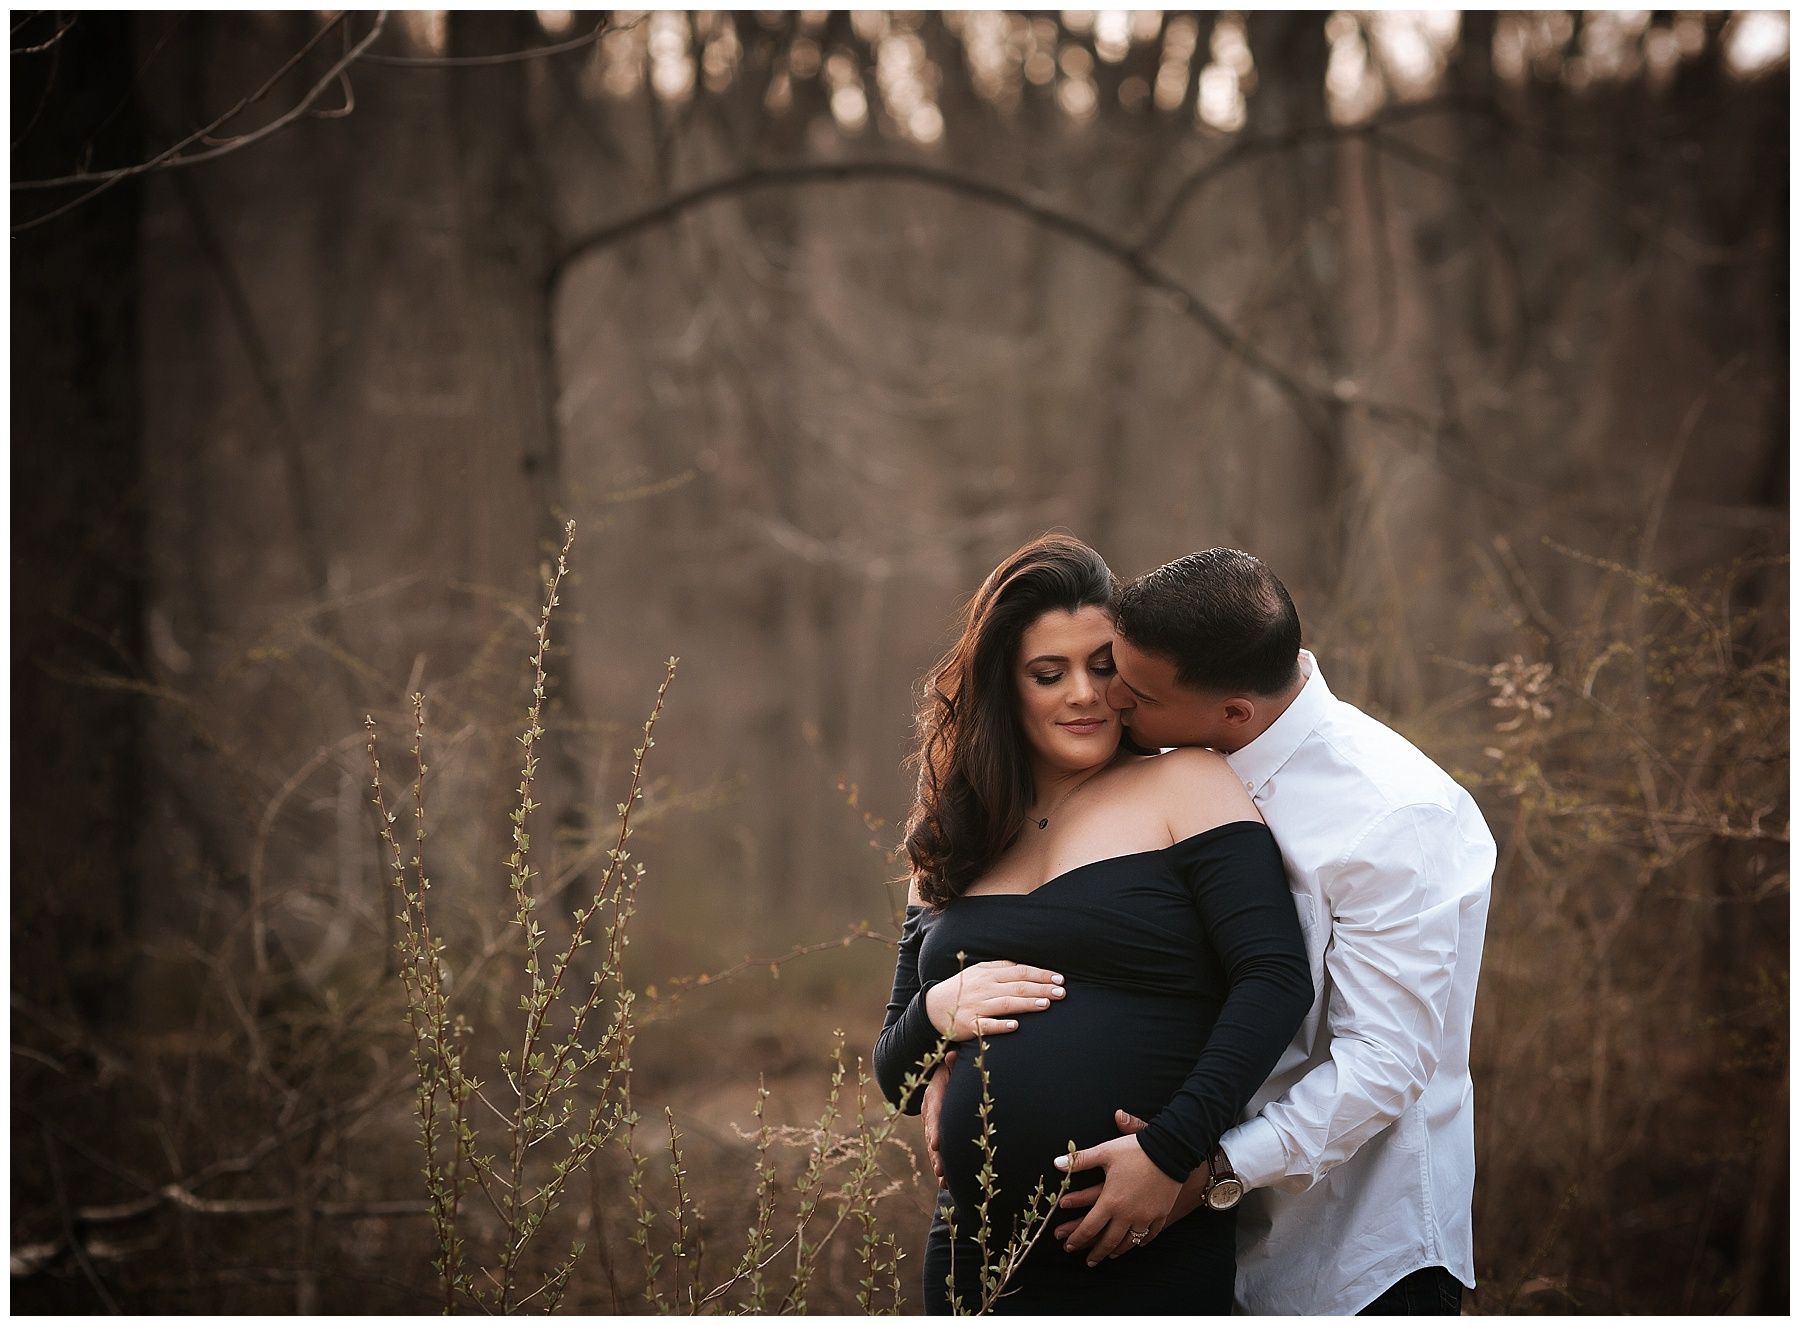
{"x": 1084, "y": 691}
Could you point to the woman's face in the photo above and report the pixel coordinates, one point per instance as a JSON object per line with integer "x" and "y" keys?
{"x": 1065, "y": 663}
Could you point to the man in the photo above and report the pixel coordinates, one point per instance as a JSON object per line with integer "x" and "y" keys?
{"x": 1358, "y": 1155}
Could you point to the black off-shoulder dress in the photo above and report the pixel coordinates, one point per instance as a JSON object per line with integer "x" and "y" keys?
{"x": 1186, "y": 976}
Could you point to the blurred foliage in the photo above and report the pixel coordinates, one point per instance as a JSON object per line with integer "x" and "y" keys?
{"x": 1637, "y": 973}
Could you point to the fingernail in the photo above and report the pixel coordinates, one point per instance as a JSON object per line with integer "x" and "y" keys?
{"x": 1057, "y": 992}
{"x": 1062, "y": 1162}
{"x": 1043, "y": 1003}
{"x": 1011, "y": 1025}
{"x": 1056, "y": 978}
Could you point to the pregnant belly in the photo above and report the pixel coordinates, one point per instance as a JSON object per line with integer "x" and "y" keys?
{"x": 1058, "y": 1079}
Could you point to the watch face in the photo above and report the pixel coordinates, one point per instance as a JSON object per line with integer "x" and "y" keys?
{"x": 1224, "y": 1194}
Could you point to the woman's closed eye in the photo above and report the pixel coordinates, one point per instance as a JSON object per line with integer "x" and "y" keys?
{"x": 1099, "y": 669}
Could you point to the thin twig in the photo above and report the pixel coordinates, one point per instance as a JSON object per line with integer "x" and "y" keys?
{"x": 37, "y": 112}
{"x": 55, "y": 37}
{"x": 69, "y": 1230}
{"x": 170, "y": 156}
{"x": 173, "y": 157}
{"x": 265, "y": 828}
{"x": 662, "y": 1005}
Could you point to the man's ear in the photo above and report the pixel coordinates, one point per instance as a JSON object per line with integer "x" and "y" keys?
{"x": 1239, "y": 710}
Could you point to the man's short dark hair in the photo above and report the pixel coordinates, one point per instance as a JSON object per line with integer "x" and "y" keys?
{"x": 1222, "y": 618}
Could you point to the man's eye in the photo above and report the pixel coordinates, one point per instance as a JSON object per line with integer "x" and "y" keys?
{"x": 1046, "y": 678}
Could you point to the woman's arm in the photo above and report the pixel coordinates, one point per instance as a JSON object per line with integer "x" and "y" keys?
{"x": 985, "y": 999}
{"x": 907, "y": 1038}
{"x": 1249, "y": 916}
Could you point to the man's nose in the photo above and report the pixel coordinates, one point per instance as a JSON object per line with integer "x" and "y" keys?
{"x": 1118, "y": 694}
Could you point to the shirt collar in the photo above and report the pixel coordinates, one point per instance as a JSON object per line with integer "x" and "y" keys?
{"x": 1258, "y": 762}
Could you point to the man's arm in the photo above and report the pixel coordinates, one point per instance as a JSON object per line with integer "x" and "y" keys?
{"x": 931, "y": 1105}
{"x": 1395, "y": 902}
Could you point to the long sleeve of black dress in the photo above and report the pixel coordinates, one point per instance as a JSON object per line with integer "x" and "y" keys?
{"x": 1251, "y": 922}
{"x": 907, "y": 1037}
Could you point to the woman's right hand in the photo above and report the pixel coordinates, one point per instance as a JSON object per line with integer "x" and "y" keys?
{"x": 986, "y": 999}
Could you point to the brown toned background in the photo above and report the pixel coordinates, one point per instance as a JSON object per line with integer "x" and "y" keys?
{"x": 1475, "y": 329}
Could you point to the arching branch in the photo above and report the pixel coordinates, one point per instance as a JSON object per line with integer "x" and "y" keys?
{"x": 1311, "y": 402}
{"x": 1248, "y": 149}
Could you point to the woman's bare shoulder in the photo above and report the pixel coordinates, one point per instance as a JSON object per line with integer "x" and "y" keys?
{"x": 1186, "y": 767}
{"x": 1196, "y": 790}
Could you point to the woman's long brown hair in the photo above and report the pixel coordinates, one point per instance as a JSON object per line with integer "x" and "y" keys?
{"x": 975, "y": 781}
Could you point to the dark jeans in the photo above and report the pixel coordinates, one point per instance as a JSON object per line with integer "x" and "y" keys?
{"x": 1432, "y": 1292}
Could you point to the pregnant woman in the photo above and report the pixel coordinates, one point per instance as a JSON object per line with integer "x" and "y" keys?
{"x": 1155, "y": 961}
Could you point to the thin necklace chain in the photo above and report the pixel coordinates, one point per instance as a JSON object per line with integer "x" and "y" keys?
{"x": 1044, "y": 823}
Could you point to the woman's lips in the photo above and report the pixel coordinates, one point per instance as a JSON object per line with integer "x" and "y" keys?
{"x": 1084, "y": 726}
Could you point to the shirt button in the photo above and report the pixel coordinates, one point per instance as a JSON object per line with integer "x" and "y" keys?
{"x": 1249, "y": 787}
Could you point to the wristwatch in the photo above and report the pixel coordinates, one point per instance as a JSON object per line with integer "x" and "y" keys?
{"x": 1225, "y": 1189}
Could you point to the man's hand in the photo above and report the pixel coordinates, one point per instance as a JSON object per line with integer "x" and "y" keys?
{"x": 1135, "y": 1196}
{"x": 929, "y": 1106}
{"x": 985, "y": 1000}
{"x": 1192, "y": 1195}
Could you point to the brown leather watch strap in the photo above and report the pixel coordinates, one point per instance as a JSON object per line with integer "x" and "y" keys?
{"x": 1218, "y": 1166}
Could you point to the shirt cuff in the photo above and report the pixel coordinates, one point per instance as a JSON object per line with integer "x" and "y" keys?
{"x": 1255, "y": 1152}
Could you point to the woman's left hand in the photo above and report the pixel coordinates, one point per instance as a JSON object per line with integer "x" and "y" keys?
{"x": 1135, "y": 1197}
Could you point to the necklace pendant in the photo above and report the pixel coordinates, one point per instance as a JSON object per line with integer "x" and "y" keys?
{"x": 1044, "y": 823}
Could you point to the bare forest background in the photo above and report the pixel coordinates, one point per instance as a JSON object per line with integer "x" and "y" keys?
{"x": 1475, "y": 328}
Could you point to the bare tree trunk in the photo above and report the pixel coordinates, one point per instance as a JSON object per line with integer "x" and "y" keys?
{"x": 78, "y": 531}
{"x": 1299, "y": 195}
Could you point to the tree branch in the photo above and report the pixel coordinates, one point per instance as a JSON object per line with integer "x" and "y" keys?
{"x": 29, "y": 1259}
{"x": 70, "y": 1235}
{"x": 174, "y": 156}
{"x": 61, "y": 32}
{"x": 1247, "y": 149}
{"x": 169, "y": 156}
{"x": 1310, "y": 401}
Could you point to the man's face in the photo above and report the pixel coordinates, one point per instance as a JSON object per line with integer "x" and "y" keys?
{"x": 1159, "y": 710}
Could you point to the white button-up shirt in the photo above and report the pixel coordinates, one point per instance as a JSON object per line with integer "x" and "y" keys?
{"x": 1360, "y": 1148}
